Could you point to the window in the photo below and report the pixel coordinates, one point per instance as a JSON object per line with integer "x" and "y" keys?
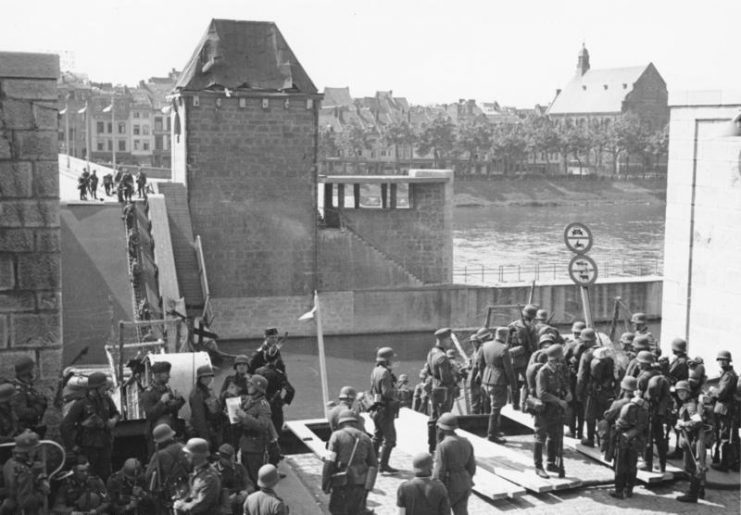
{"x": 136, "y": 114}
{"x": 146, "y": 146}
{"x": 122, "y": 145}
{"x": 158, "y": 124}
{"x": 168, "y": 124}
{"x": 145, "y": 130}
{"x": 145, "y": 114}
{"x": 110, "y": 146}
{"x": 110, "y": 127}
{"x": 100, "y": 127}
{"x": 370, "y": 196}
{"x": 101, "y": 146}
{"x": 158, "y": 143}
{"x": 136, "y": 144}
{"x": 136, "y": 130}
{"x": 122, "y": 128}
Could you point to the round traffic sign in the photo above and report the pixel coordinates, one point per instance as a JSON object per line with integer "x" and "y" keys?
{"x": 578, "y": 238}
{"x": 583, "y": 270}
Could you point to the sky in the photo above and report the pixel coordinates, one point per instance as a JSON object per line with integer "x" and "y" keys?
{"x": 429, "y": 51}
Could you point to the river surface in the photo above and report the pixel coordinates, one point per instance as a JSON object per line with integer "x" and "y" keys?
{"x": 628, "y": 240}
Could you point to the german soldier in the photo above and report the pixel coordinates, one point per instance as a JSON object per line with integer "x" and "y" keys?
{"x": 346, "y": 400}
{"x": 631, "y": 428}
{"x": 573, "y": 339}
{"x": 235, "y": 482}
{"x": 8, "y": 420}
{"x": 271, "y": 344}
{"x": 88, "y": 426}
{"x": 206, "y": 414}
{"x": 423, "y": 494}
{"x": 443, "y": 384}
{"x": 404, "y": 391}
{"x": 167, "y": 470}
{"x": 82, "y": 491}
{"x": 421, "y": 399}
{"x": 455, "y": 464}
{"x": 160, "y": 402}
{"x": 573, "y": 358}
{"x": 607, "y": 426}
{"x": 657, "y": 393}
{"x": 497, "y": 375}
{"x": 385, "y": 407}
{"x": 265, "y": 501}
{"x": 583, "y": 379}
{"x": 640, "y": 327}
{"x": 257, "y": 427}
{"x": 127, "y": 490}
{"x": 479, "y": 397}
{"x": 552, "y": 391}
{"x": 26, "y": 488}
{"x": 679, "y": 369}
{"x": 204, "y": 491}
{"x": 239, "y": 377}
{"x": 640, "y": 344}
{"x": 600, "y": 390}
{"x": 695, "y": 436}
{"x": 350, "y": 467}
{"x": 28, "y": 403}
{"x": 725, "y": 415}
{"x": 280, "y": 392}
{"x": 523, "y": 342}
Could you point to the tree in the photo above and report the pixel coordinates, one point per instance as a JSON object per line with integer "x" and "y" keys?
{"x": 354, "y": 139}
{"x": 473, "y": 138}
{"x": 541, "y": 135}
{"x": 509, "y": 144}
{"x": 577, "y": 141}
{"x": 438, "y": 138}
{"x": 399, "y": 133}
{"x": 658, "y": 145}
{"x": 328, "y": 145}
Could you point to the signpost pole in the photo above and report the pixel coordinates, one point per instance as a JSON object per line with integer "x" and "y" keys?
{"x": 586, "y": 307}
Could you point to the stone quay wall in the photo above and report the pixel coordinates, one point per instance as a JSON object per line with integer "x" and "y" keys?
{"x": 30, "y": 252}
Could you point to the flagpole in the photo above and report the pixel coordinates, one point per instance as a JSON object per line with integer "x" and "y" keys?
{"x": 322, "y": 360}
{"x": 66, "y": 132}
{"x": 87, "y": 134}
{"x": 113, "y": 130}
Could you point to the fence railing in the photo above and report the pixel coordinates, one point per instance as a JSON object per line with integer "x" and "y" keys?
{"x": 553, "y": 271}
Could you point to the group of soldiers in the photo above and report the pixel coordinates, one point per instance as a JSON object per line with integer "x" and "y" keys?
{"x": 123, "y": 183}
{"x": 629, "y": 407}
{"x": 228, "y": 465}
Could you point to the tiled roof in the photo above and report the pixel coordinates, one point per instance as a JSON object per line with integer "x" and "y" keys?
{"x": 337, "y": 97}
{"x": 597, "y": 91}
{"x": 244, "y": 55}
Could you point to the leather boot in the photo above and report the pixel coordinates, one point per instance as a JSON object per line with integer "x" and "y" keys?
{"x": 493, "y": 433}
{"x": 384, "y": 465}
{"x": 691, "y": 495}
{"x": 538, "y": 460}
{"x": 431, "y": 436}
{"x": 551, "y": 456}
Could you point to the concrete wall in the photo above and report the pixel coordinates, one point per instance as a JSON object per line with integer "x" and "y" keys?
{"x": 702, "y": 268}
{"x": 252, "y": 191}
{"x": 30, "y": 284}
{"x": 424, "y": 308}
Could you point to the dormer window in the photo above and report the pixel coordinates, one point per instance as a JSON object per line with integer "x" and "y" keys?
{"x": 625, "y": 86}
{"x": 584, "y": 87}
{"x": 605, "y": 86}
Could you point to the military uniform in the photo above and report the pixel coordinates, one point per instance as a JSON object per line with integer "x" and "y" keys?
{"x": 522, "y": 343}
{"x": 657, "y": 393}
{"x": 333, "y": 415}
{"x": 607, "y": 426}
{"x": 166, "y": 474}
{"x": 240, "y": 380}
{"x": 595, "y": 387}
{"x": 8, "y": 420}
{"x": 726, "y": 420}
{"x": 29, "y": 405}
{"x": 405, "y": 395}
{"x": 360, "y": 467}
{"x": 82, "y": 494}
{"x": 128, "y": 495}
{"x": 26, "y": 488}
{"x": 204, "y": 492}
{"x": 86, "y": 426}
{"x": 206, "y": 415}
{"x": 257, "y": 433}
{"x": 679, "y": 369}
{"x": 550, "y": 389}
{"x": 158, "y": 412}
{"x": 631, "y": 428}
{"x": 277, "y": 385}
{"x": 696, "y": 436}
{"x": 384, "y": 410}
{"x": 444, "y": 382}
{"x": 497, "y": 374}
{"x": 264, "y": 502}
{"x": 455, "y": 466}
{"x": 573, "y": 360}
{"x": 423, "y": 496}
{"x": 234, "y": 481}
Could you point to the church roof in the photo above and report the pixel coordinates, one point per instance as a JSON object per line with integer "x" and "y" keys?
{"x": 250, "y": 55}
{"x": 597, "y": 91}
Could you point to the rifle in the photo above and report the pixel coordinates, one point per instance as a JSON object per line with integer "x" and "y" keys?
{"x": 615, "y": 315}
{"x": 699, "y": 471}
{"x": 531, "y": 294}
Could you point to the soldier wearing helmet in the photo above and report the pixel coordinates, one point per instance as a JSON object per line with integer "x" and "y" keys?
{"x": 572, "y": 359}
{"x": 631, "y": 428}
{"x": 235, "y": 482}
{"x": 421, "y": 398}
{"x": 679, "y": 369}
{"x": 541, "y": 320}
{"x": 206, "y": 415}
{"x": 350, "y": 467}
{"x": 280, "y": 391}
{"x": 605, "y": 428}
{"x": 553, "y": 392}
{"x": 26, "y": 488}
{"x": 479, "y": 399}
{"x": 585, "y": 351}
{"x": 656, "y": 390}
{"x": 405, "y": 391}
{"x": 639, "y": 321}
{"x": 640, "y": 343}
{"x": 694, "y": 435}
{"x": 87, "y": 428}
{"x": 128, "y": 491}
{"x": 347, "y": 399}
{"x": 237, "y": 381}
{"x": 167, "y": 470}
{"x": 497, "y": 377}
{"x": 443, "y": 383}
{"x": 28, "y": 403}
{"x": 82, "y": 491}
{"x": 455, "y": 463}
{"x": 265, "y": 501}
{"x": 726, "y": 422}
{"x": 576, "y": 329}
{"x": 600, "y": 388}
{"x": 385, "y": 406}
{"x": 8, "y": 419}
{"x": 204, "y": 495}
{"x": 160, "y": 402}
{"x": 523, "y": 342}
{"x": 423, "y": 495}
{"x": 258, "y": 432}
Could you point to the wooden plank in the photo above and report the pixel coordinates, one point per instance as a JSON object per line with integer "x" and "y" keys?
{"x": 307, "y": 436}
{"x": 506, "y": 463}
{"x": 412, "y": 440}
{"x": 643, "y": 475}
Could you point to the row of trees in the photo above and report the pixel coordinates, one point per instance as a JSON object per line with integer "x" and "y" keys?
{"x": 601, "y": 144}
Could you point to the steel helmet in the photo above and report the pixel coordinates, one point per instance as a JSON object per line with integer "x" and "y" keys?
{"x": 629, "y": 383}
{"x": 578, "y": 326}
{"x": 645, "y": 356}
{"x": 96, "y": 380}
{"x": 588, "y": 335}
{"x": 483, "y": 334}
{"x": 131, "y": 467}
{"x": 385, "y": 354}
{"x": 267, "y": 476}
{"x": 348, "y": 392}
{"x": 541, "y": 315}
{"x": 682, "y": 385}
{"x": 204, "y": 371}
{"x": 638, "y": 318}
{"x": 347, "y": 415}
{"x": 242, "y": 359}
{"x": 422, "y": 462}
{"x": 724, "y": 354}
{"x": 403, "y": 378}
{"x": 447, "y": 421}
{"x": 530, "y": 310}
{"x": 259, "y": 383}
{"x": 555, "y": 351}
{"x": 627, "y": 338}
{"x": 197, "y": 447}
{"x": 641, "y": 342}
{"x": 546, "y": 338}
{"x": 679, "y": 345}
{"x": 162, "y": 433}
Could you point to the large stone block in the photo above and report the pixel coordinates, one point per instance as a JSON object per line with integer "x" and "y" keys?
{"x": 42, "y": 330}
{"x": 49, "y": 301}
{"x": 30, "y": 89}
{"x": 3, "y": 331}
{"x": 7, "y": 272}
{"x": 39, "y": 271}
{"x": 14, "y": 301}
{"x": 15, "y": 179}
{"x": 48, "y": 240}
{"x": 8, "y": 359}
{"x": 46, "y": 178}
{"x": 36, "y": 144}
{"x": 50, "y": 363}
{"x": 16, "y": 240}
{"x": 29, "y": 213}
{"x": 29, "y": 65}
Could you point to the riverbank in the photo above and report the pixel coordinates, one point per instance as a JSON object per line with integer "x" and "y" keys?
{"x": 557, "y": 191}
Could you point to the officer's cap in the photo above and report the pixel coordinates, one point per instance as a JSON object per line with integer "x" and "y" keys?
{"x": 226, "y": 450}
{"x": 501, "y": 333}
{"x": 241, "y": 360}
{"x": 205, "y": 371}
{"x": 347, "y": 415}
{"x": 447, "y": 421}
{"x": 96, "y": 380}
{"x": 627, "y": 338}
{"x": 554, "y": 351}
{"x": 162, "y": 433}
{"x": 267, "y": 476}
{"x": 645, "y": 356}
{"x": 26, "y": 441}
{"x": 442, "y": 333}
{"x": 588, "y": 335}
{"x": 422, "y": 463}
{"x": 629, "y": 383}
{"x": 530, "y": 310}
{"x": 724, "y": 354}
{"x": 197, "y": 447}
{"x": 161, "y": 366}
{"x": 7, "y": 390}
{"x": 638, "y": 318}
{"x": 578, "y": 326}
{"x": 23, "y": 365}
{"x": 259, "y": 383}
{"x": 541, "y": 315}
{"x": 348, "y": 392}
{"x": 271, "y": 331}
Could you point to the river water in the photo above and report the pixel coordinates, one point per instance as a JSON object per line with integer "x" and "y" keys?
{"x": 628, "y": 240}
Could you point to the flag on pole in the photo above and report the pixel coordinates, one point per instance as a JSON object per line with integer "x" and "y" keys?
{"x": 83, "y": 110}
{"x": 309, "y": 315}
{"x": 108, "y": 109}
{"x": 315, "y": 314}
{"x": 63, "y": 111}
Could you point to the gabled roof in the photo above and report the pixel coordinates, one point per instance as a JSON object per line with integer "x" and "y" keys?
{"x": 251, "y": 55}
{"x": 337, "y": 97}
{"x": 597, "y": 91}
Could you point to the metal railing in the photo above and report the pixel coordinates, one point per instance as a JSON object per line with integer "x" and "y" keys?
{"x": 554, "y": 271}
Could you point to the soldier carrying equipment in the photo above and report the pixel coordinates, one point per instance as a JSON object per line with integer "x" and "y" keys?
{"x": 160, "y": 402}
{"x": 726, "y": 417}
{"x": 385, "y": 407}
{"x": 443, "y": 384}
{"x": 28, "y": 403}
{"x": 497, "y": 375}
{"x": 26, "y": 485}
{"x": 630, "y": 428}
{"x": 552, "y": 391}
{"x": 167, "y": 471}
{"x": 455, "y": 464}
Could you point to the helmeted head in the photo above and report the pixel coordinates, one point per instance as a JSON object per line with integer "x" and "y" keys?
{"x": 577, "y": 327}
{"x": 97, "y": 381}
{"x": 205, "y": 371}
{"x": 26, "y": 442}
{"x": 530, "y": 311}
{"x": 545, "y": 340}
{"x": 484, "y": 334}
{"x": 627, "y": 339}
{"x": 7, "y": 391}
{"x": 724, "y": 358}
{"x": 541, "y": 315}
{"x": 588, "y": 336}
{"x": 641, "y": 342}
{"x": 403, "y": 379}
{"x": 442, "y": 335}
{"x": 257, "y": 383}
{"x": 24, "y": 366}
{"x": 629, "y": 384}
{"x": 683, "y": 389}
{"x": 679, "y": 345}
{"x": 554, "y": 352}
{"x": 162, "y": 433}
{"x": 267, "y": 476}
{"x": 161, "y": 371}
{"x": 501, "y": 334}
{"x": 638, "y": 319}
{"x": 132, "y": 468}
{"x": 645, "y": 357}
{"x": 226, "y": 452}
{"x": 243, "y": 361}
{"x": 448, "y": 422}
{"x": 197, "y": 450}
{"x": 385, "y": 355}
{"x": 348, "y": 393}
{"x": 347, "y": 416}
{"x": 422, "y": 464}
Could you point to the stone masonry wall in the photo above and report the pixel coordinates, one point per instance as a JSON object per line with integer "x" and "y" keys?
{"x": 252, "y": 192}
{"x": 30, "y": 287}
